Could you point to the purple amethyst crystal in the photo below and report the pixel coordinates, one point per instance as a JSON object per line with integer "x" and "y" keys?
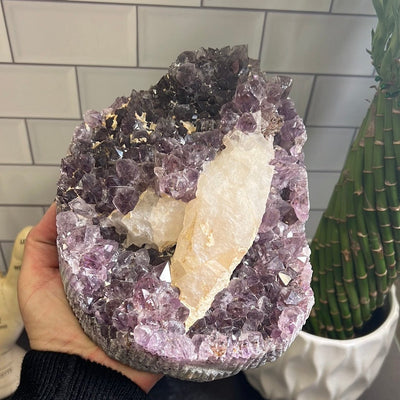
{"x": 159, "y": 142}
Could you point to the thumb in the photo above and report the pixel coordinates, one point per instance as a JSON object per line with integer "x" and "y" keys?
{"x": 16, "y": 257}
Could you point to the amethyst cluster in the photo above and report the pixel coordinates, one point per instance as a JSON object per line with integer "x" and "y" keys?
{"x": 161, "y": 139}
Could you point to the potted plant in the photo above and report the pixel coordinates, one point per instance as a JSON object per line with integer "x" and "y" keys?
{"x": 355, "y": 253}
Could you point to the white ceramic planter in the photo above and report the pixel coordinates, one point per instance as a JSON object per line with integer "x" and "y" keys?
{"x": 316, "y": 368}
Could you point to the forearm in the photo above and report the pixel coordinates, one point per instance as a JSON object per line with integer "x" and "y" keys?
{"x": 49, "y": 375}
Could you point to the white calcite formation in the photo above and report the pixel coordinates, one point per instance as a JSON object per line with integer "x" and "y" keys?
{"x": 155, "y": 221}
{"x": 222, "y": 222}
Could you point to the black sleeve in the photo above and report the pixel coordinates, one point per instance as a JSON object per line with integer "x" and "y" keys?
{"x": 58, "y": 376}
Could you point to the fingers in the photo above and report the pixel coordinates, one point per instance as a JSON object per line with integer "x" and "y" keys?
{"x": 45, "y": 231}
{"x": 17, "y": 256}
{"x": 40, "y": 249}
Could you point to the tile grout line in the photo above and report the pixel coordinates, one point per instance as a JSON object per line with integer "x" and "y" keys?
{"x": 137, "y": 37}
{"x": 7, "y": 31}
{"x": 25, "y": 205}
{"x": 354, "y": 136}
{"x": 314, "y": 171}
{"x": 100, "y": 3}
{"x": 41, "y": 118}
{"x": 324, "y": 171}
{"x": 27, "y": 165}
{"x": 331, "y": 7}
{"x": 78, "y": 119}
{"x": 333, "y": 126}
{"x": 314, "y": 83}
{"x": 63, "y": 65}
{"x": 28, "y": 135}
{"x": 3, "y": 256}
{"x": 78, "y": 91}
{"x": 164, "y": 68}
{"x": 262, "y": 35}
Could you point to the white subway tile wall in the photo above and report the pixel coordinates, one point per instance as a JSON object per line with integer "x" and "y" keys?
{"x": 38, "y": 91}
{"x": 353, "y": 7}
{"x": 113, "y": 42}
{"x": 50, "y": 139}
{"x": 100, "y": 86}
{"x": 340, "y": 101}
{"x": 59, "y": 58}
{"x": 152, "y": 2}
{"x": 164, "y": 32}
{"x": 329, "y": 44}
{"x": 312, "y": 223}
{"x": 326, "y": 148}
{"x": 14, "y": 142}
{"x": 33, "y": 184}
{"x": 321, "y": 185}
{"x": 5, "y": 53}
{"x": 14, "y": 217}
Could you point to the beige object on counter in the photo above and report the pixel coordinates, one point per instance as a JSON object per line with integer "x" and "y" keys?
{"x": 11, "y": 324}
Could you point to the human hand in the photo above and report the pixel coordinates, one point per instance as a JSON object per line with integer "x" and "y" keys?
{"x": 49, "y": 320}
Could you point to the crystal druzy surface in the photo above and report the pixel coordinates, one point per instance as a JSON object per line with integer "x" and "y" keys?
{"x": 201, "y": 173}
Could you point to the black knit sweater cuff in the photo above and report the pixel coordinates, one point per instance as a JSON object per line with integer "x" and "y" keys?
{"x": 57, "y": 376}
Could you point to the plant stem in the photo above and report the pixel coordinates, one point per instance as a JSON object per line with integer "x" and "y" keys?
{"x": 355, "y": 252}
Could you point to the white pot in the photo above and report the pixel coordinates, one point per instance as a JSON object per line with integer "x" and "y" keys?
{"x": 316, "y": 368}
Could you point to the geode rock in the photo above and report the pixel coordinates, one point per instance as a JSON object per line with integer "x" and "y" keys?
{"x": 181, "y": 214}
